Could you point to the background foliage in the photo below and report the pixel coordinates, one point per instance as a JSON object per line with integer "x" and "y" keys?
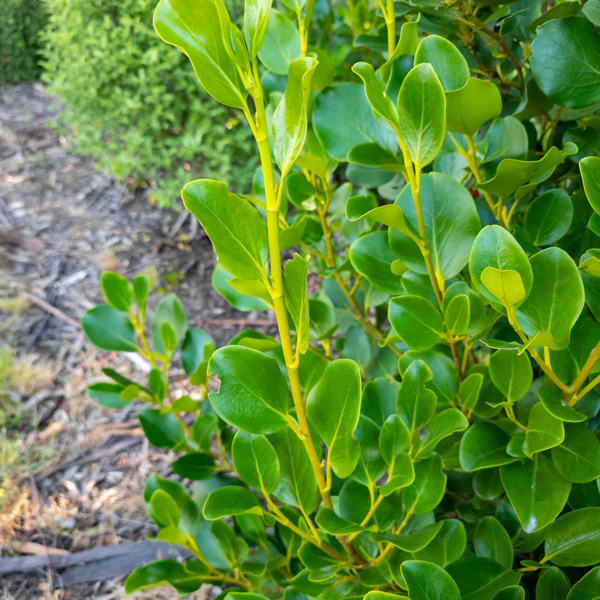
{"x": 131, "y": 102}
{"x": 20, "y": 39}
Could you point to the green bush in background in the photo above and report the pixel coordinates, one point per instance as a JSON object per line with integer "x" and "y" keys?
{"x": 133, "y": 103}
{"x": 20, "y": 47}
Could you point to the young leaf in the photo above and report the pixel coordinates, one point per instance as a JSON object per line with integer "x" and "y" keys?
{"x": 117, "y": 290}
{"x": 536, "y": 491}
{"x": 253, "y": 395}
{"x": 256, "y": 461}
{"x": 497, "y": 248}
{"x": 233, "y": 226}
{"x": 416, "y": 321}
{"x": 168, "y": 571}
{"x": 379, "y": 101}
{"x": 256, "y": 16}
{"x": 333, "y": 407}
{"x": 421, "y": 110}
{"x": 195, "y": 29}
{"x": 289, "y": 118}
{"x": 169, "y": 311}
{"x": 296, "y": 298}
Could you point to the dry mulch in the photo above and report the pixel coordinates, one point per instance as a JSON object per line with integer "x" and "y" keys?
{"x": 77, "y": 484}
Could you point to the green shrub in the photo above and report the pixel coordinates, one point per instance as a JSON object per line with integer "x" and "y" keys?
{"x": 426, "y": 424}
{"x": 131, "y": 103}
{"x": 20, "y": 39}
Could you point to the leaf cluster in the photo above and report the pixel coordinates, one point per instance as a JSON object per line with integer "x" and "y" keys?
{"x": 425, "y": 425}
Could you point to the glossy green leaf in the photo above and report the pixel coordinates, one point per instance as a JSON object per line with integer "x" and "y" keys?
{"x": 536, "y": 491}
{"x": 372, "y": 257}
{"x": 469, "y": 390}
{"x": 512, "y": 174}
{"x": 416, "y": 403}
{"x": 379, "y": 101}
{"x": 229, "y": 501}
{"x": 343, "y": 118}
{"x": 543, "y": 431}
{"x": 196, "y": 31}
{"x": 427, "y": 581}
{"x": 506, "y": 286}
{"x": 573, "y": 540}
{"x": 256, "y": 16}
{"x": 223, "y": 283}
{"x": 394, "y": 438}
{"x": 256, "y": 461}
{"x": 484, "y": 446}
{"x": 447, "y": 62}
{"x": 421, "y": 110}
{"x": 511, "y": 373}
{"x": 333, "y": 407}
{"x": 168, "y": 572}
{"x": 427, "y": 490}
{"x": 441, "y": 426}
{"x": 195, "y": 466}
{"x": 107, "y": 394}
{"x": 491, "y": 540}
{"x": 162, "y": 430}
{"x": 281, "y": 43}
{"x": 169, "y": 311}
{"x": 416, "y": 321}
{"x": 391, "y": 215}
{"x": 469, "y": 107}
{"x": 412, "y": 542}
{"x": 450, "y": 220}
{"x": 457, "y": 314}
{"x": 108, "y": 329}
{"x": 548, "y": 217}
{"x": 512, "y": 592}
{"x": 552, "y": 400}
{"x": 590, "y": 176}
{"x": 556, "y": 299}
{"x": 297, "y": 484}
{"x": 577, "y": 457}
{"x": 290, "y": 116}
{"x": 496, "y": 248}
{"x": 117, "y": 290}
{"x": 296, "y": 297}
{"x": 478, "y": 577}
{"x": 333, "y": 524}
{"x": 552, "y": 584}
{"x": 587, "y": 587}
{"x": 233, "y": 225}
{"x": 253, "y": 394}
{"x": 565, "y": 60}
{"x": 196, "y": 350}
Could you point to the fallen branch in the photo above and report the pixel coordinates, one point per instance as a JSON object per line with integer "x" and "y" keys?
{"x": 51, "y": 309}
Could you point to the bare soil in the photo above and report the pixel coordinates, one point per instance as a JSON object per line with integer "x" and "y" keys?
{"x": 72, "y": 473}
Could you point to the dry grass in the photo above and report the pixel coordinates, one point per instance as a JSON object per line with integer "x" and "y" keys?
{"x": 15, "y": 305}
{"x": 25, "y": 374}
